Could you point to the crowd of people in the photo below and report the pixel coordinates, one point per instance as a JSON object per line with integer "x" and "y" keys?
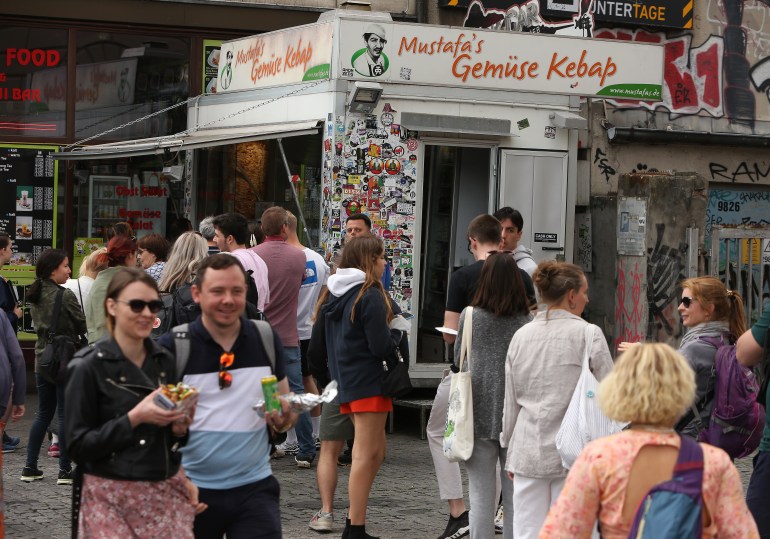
{"x": 204, "y": 471}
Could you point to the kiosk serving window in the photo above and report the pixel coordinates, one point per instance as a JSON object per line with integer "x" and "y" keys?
{"x": 247, "y": 178}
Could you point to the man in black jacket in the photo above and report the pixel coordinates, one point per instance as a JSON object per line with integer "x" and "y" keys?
{"x": 10, "y": 304}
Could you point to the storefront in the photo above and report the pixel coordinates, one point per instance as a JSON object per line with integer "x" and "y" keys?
{"x": 421, "y": 127}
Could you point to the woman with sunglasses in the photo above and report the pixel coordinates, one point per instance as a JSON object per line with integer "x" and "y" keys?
{"x": 542, "y": 369}
{"x": 52, "y": 270}
{"x": 712, "y": 314}
{"x": 120, "y": 253}
{"x": 352, "y": 327}
{"x": 126, "y": 445}
{"x": 500, "y": 309}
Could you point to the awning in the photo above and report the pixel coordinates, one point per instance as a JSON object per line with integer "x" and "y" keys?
{"x": 202, "y": 138}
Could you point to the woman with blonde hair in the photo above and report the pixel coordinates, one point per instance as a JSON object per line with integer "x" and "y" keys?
{"x": 651, "y": 387}
{"x": 543, "y": 366}
{"x": 87, "y": 273}
{"x": 188, "y": 251}
{"x": 352, "y": 329}
{"x": 713, "y": 315}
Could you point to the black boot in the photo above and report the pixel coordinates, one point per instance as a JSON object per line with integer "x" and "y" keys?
{"x": 359, "y": 532}
{"x": 346, "y": 531}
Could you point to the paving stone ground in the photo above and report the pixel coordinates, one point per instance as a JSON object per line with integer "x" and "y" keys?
{"x": 404, "y": 502}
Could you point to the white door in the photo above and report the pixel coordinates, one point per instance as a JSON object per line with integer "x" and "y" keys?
{"x": 535, "y": 183}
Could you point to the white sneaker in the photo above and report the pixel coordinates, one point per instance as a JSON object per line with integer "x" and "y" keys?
{"x": 322, "y": 522}
{"x": 499, "y": 520}
{"x": 286, "y": 448}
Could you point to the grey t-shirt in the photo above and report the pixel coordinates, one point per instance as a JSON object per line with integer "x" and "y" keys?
{"x": 491, "y": 337}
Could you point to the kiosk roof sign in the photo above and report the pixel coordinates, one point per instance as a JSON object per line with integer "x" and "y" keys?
{"x": 420, "y": 54}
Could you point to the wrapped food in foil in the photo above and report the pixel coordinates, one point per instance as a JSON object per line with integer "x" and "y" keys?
{"x": 303, "y": 402}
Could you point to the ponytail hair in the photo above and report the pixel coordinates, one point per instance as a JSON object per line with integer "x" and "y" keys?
{"x": 47, "y": 262}
{"x": 728, "y": 304}
{"x": 118, "y": 249}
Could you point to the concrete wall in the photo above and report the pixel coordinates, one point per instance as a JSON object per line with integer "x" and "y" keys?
{"x": 635, "y": 298}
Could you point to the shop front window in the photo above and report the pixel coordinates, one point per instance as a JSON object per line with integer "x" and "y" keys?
{"x": 133, "y": 190}
{"x": 250, "y": 177}
{"x": 33, "y": 82}
{"x": 124, "y": 77}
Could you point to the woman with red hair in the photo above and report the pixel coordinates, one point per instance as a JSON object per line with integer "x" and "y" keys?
{"x": 120, "y": 253}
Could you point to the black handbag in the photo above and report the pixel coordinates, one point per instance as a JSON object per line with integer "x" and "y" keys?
{"x": 59, "y": 349}
{"x": 395, "y": 379}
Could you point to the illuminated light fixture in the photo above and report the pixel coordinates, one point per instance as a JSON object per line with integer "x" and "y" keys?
{"x": 364, "y": 97}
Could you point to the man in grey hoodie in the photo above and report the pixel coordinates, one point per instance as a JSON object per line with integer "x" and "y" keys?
{"x": 513, "y": 226}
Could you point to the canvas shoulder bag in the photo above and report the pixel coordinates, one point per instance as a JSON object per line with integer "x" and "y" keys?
{"x": 458, "y": 435}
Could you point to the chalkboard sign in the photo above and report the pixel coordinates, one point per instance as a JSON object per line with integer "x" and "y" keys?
{"x": 28, "y": 195}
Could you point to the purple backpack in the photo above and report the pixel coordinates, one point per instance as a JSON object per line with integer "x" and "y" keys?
{"x": 737, "y": 419}
{"x": 674, "y": 509}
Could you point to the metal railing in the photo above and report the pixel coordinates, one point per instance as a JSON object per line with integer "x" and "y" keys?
{"x": 739, "y": 273}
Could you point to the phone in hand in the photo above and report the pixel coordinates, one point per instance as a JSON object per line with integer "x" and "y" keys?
{"x": 164, "y": 402}
{"x": 407, "y": 316}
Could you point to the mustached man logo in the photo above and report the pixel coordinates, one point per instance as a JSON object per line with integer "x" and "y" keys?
{"x": 371, "y": 61}
{"x": 227, "y": 72}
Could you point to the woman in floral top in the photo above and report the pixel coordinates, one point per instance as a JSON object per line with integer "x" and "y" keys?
{"x": 152, "y": 253}
{"x": 651, "y": 386}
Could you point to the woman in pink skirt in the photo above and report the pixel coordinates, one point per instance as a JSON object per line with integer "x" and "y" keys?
{"x": 125, "y": 445}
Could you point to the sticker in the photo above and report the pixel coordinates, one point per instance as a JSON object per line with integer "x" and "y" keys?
{"x": 349, "y": 190}
{"x": 388, "y": 108}
{"x": 398, "y": 151}
{"x": 156, "y": 323}
{"x": 374, "y": 150}
{"x": 523, "y": 124}
{"x": 550, "y": 132}
{"x": 376, "y": 166}
{"x": 389, "y": 202}
{"x": 328, "y": 145}
{"x": 338, "y": 148}
{"x": 411, "y": 144}
{"x": 546, "y": 237}
{"x": 395, "y": 130}
{"x": 354, "y": 178}
{"x": 371, "y": 121}
{"x": 407, "y": 208}
{"x": 393, "y": 166}
{"x": 412, "y": 158}
{"x": 386, "y": 119}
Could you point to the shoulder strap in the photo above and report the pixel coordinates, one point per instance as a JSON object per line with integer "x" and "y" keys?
{"x": 589, "y": 332}
{"x": 690, "y": 458}
{"x": 56, "y": 310}
{"x": 80, "y": 293}
{"x": 467, "y": 341}
{"x": 268, "y": 343}
{"x": 182, "y": 346}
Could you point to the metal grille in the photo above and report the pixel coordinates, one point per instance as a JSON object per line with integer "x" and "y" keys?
{"x": 744, "y": 261}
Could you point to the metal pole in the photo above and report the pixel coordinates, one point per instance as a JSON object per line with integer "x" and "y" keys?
{"x": 300, "y": 214}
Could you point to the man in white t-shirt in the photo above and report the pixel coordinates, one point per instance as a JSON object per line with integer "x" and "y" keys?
{"x": 232, "y": 232}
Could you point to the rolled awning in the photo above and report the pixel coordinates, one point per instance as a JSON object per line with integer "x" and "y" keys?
{"x": 202, "y": 138}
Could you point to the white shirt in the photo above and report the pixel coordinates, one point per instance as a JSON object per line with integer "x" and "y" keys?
{"x": 84, "y": 290}
{"x": 251, "y": 261}
{"x": 316, "y": 274}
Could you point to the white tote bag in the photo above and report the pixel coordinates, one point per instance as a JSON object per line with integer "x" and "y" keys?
{"x": 458, "y": 435}
{"x": 584, "y": 421}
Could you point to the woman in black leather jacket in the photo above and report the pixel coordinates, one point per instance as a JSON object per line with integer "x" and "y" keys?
{"x": 126, "y": 445}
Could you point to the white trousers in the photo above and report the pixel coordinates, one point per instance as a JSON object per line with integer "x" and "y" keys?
{"x": 484, "y": 466}
{"x": 532, "y": 498}
{"x": 450, "y": 485}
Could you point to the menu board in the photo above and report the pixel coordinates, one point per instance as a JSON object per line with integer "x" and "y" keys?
{"x": 27, "y": 213}
{"x": 210, "y": 64}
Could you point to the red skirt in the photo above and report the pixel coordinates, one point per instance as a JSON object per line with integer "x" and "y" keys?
{"x": 148, "y": 509}
{"x": 377, "y": 404}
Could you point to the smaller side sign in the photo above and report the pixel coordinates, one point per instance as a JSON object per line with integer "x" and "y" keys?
{"x": 546, "y": 237}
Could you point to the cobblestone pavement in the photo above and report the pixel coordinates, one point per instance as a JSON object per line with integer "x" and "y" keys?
{"x": 404, "y": 502}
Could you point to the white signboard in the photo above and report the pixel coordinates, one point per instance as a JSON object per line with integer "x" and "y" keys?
{"x": 104, "y": 84}
{"x": 283, "y": 57}
{"x": 412, "y": 53}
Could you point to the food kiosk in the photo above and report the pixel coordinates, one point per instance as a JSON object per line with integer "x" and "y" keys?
{"x": 421, "y": 127}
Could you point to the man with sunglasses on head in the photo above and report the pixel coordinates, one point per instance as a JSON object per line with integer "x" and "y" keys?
{"x": 484, "y": 236}
{"x": 228, "y": 452}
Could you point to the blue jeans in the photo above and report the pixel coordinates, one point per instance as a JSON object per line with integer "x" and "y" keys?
{"x": 304, "y": 427}
{"x": 50, "y": 400}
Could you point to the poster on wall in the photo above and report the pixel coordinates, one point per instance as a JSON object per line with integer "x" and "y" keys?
{"x": 210, "y": 64}
{"x": 632, "y": 226}
{"x": 27, "y": 214}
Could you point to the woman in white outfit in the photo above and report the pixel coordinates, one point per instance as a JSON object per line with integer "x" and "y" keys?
{"x": 88, "y": 271}
{"x": 499, "y": 310}
{"x": 542, "y": 369}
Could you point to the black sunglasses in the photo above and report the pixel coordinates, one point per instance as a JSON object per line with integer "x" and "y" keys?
{"x": 687, "y": 301}
{"x": 138, "y": 305}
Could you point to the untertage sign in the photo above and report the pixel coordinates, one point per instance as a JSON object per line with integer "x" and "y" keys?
{"x": 283, "y": 57}
{"x": 410, "y": 53}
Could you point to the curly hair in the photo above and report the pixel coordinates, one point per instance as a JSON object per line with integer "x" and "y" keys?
{"x": 650, "y": 384}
